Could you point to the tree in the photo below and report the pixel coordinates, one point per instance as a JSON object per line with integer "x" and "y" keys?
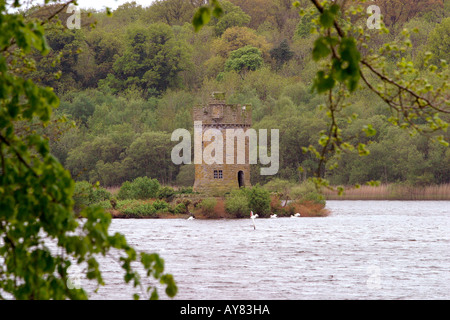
{"x": 244, "y": 59}
{"x": 239, "y": 37}
{"x": 36, "y": 193}
{"x": 305, "y": 25}
{"x": 281, "y": 54}
{"x": 151, "y": 62}
{"x": 439, "y": 41}
{"x": 399, "y": 11}
{"x": 172, "y": 12}
{"x": 149, "y": 155}
{"x": 232, "y": 16}
{"x": 259, "y": 200}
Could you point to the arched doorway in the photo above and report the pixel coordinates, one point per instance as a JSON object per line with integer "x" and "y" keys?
{"x": 241, "y": 179}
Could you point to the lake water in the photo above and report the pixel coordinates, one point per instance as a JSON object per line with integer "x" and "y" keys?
{"x": 363, "y": 250}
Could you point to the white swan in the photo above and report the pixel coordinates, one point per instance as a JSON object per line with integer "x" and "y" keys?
{"x": 297, "y": 215}
{"x": 253, "y": 217}
{"x": 191, "y": 218}
{"x": 273, "y": 216}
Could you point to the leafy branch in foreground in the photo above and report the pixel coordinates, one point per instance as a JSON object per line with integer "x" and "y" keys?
{"x": 36, "y": 205}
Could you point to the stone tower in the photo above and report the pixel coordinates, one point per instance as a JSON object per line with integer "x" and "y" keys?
{"x": 219, "y": 115}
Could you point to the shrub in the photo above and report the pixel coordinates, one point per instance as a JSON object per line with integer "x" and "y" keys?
{"x": 259, "y": 201}
{"x": 180, "y": 208}
{"x": 161, "y": 206}
{"x": 279, "y": 186}
{"x": 186, "y": 190}
{"x": 125, "y": 191}
{"x": 166, "y": 193}
{"x": 140, "y": 188}
{"x": 314, "y": 197}
{"x": 104, "y": 204}
{"x": 121, "y": 204}
{"x": 81, "y": 195}
{"x": 85, "y": 195}
{"x": 207, "y": 206}
{"x": 307, "y": 192}
{"x": 100, "y": 194}
{"x": 186, "y": 202}
{"x": 237, "y": 203}
{"x": 145, "y": 188}
{"x": 140, "y": 210}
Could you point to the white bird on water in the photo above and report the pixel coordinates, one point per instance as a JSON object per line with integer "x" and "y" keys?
{"x": 253, "y": 217}
{"x": 191, "y": 218}
{"x": 273, "y": 216}
{"x": 295, "y": 215}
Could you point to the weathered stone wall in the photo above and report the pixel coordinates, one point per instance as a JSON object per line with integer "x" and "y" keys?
{"x": 218, "y": 115}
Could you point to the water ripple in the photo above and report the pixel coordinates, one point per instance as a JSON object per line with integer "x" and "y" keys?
{"x": 364, "y": 250}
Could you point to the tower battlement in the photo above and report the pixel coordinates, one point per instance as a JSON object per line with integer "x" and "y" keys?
{"x": 218, "y": 113}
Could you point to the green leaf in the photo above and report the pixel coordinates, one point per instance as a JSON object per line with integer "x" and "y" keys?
{"x": 362, "y": 151}
{"x": 321, "y": 49}
{"x": 323, "y": 82}
{"x": 326, "y": 19}
{"x": 201, "y": 17}
{"x": 154, "y": 295}
{"x": 369, "y": 130}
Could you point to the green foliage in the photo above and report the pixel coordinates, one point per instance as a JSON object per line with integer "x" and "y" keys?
{"x": 166, "y": 193}
{"x": 85, "y": 195}
{"x": 145, "y": 188}
{"x": 36, "y": 192}
{"x": 282, "y": 53}
{"x": 180, "y": 208}
{"x": 244, "y": 59}
{"x": 307, "y": 192}
{"x": 186, "y": 190}
{"x": 232, "y": 16}
{"x": 133, "y": 208}
{"x": 305, "y": 25}
{"x": 207, "y": 206}
{"x": 203, "y": 15}
{"x": 439, "y": 42}
{"x": 106, "y": 204}
{"x": 151, "y": 62}
{"x": 140, "y": 188}
{"x": 279, "y": 186}
{"x": 237, "y": 203}
{"x": 149, "y": 155}
{"x": 140, "y": 210}
{"x": 161, "y": 206}
{"x": 259, "y": 201}
{"x": 125, "y": 191}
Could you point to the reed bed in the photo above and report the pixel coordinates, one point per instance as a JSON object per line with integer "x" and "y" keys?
{"x": 392, "y": 192}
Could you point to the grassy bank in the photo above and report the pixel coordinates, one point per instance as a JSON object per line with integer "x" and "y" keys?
{"x": 392, "y": 192}
{"x": 204, "y": 208}
{"x": 146, "y": 198}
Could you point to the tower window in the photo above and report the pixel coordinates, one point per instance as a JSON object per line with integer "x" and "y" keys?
{"x": 218, "y": 174}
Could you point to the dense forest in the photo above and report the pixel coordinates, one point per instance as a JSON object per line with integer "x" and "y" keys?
{"x": 126, "y": 81}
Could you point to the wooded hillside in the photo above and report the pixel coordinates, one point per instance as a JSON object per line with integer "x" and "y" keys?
{"x": 131, "y": 80}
